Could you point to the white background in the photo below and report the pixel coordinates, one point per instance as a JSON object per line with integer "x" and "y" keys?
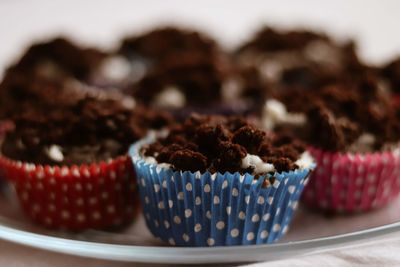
{"x": 374, "y": 23}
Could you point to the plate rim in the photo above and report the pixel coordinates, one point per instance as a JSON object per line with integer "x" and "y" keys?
{"x": 185, "y": 255}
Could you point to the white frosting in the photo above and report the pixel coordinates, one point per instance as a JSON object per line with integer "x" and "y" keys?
{"x": 257, "y": 164}
{"x": 260, "y": 167}
{"x": 170, "y": 97}
{"x": 55, "y": 153}
{"x": 115, "y": 68}
{"x": 363, "y": 144}
{"x": 271, "y": 70}
{"x": 110, "y": 93}
{"x": 322, "y": 52}
{"x": 138, "y": 70}
{"x": 305, "y": 161}
{"x": 231, "y": 90}
{"x": 153, "y": 161}
{"x": 150, "y": 160}
{"x": 275, "y": 113}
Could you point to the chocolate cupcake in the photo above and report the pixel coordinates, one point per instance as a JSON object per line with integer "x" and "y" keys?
{"x": 69, "y": 166}
{"x": 352, "y": 133}
{"x": 300, "y": 58}
{"x": 187, "y": 71}
{"x": 215, "y": 181}
{"x": 60, "y": 59}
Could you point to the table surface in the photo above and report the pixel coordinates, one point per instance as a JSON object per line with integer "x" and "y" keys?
{"x": 373, "y": 23}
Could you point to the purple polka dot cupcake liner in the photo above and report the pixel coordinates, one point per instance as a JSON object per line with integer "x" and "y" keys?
{"x": 204, "y": 209}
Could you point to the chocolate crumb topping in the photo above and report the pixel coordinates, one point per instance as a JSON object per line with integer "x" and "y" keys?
{"x": 220, "y": 144}
{"x": 92, "y": 130}
{"x": 339, "y": 114}
{"x": 59, "y": 57}
{"x": 160, "y": 43}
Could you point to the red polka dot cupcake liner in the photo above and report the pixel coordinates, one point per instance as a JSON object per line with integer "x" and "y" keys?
{"x": 101, "y": 195}
{"x": 349, "y": 183}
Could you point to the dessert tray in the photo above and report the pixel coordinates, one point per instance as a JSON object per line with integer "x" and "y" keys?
{"x": 309, "y": 233}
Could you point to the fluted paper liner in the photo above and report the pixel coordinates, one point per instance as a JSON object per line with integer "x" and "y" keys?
{"x": 100, "y": 195}
{"x": 351, "y": 183}
{"x": 204, "y": 209}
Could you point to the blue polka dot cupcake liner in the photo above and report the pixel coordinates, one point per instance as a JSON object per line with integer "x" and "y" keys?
{"x": 220, "y": 209}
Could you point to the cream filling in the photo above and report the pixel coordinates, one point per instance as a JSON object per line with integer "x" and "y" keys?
{"x": 363, "y": 144}
{"x": 322, "y": 52}
{"x": 115, "y": 68}
{"x": 260, "y": 167}
{"x": 153, "y": 161}
{"x": 170, "y": 97}
{"x": 305, "y": 161}
{"x": 275, "y": 113}
{"x": 231, "y": 90}
{"x": 55, "y": 153}
{"x": 257, "y": 164}
{"x": 84, "y": 90}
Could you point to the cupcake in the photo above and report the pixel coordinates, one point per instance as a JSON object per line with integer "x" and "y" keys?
{"x": 352, "y": 133}
{"x": 59, "y": 57}
{"x": 69, "y": 165}
{"x": 187, "y": 71}
{"x": 299, "y": 58}
{"x": 219, "y": 181}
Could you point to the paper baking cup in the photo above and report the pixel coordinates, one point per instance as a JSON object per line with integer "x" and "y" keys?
{"x": 194, "y": 209}
{"x": 100, "y": 195}
{"x": 352, "y": 182}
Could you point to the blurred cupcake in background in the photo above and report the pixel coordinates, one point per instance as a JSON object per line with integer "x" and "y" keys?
{"x": 300, "y": 58}
{"x": 219, "y": 181}
{"x": 186, "y": 71}
{"x": 58, "y": 58}
{"x": 352, "y": 133}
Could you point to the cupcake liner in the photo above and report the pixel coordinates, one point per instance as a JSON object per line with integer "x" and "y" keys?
{"x": 100, "y": 195}
{"x": 204, "y": 209}
{"x": 352, "y": 182}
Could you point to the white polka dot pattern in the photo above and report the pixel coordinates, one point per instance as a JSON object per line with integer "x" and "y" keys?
{"x": 72, "y": 194}
{"x": 219, "y": 209}
{"x": 359, "y": 181}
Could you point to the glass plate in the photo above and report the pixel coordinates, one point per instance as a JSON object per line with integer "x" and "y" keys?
{"x": 310, "y": 232}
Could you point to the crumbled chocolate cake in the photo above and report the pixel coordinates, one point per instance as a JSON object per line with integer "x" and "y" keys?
{"x": 199, "y": 78}
{"x": 301, "y": 59}
{"x": 160, "y": 43}
{"x": 21, "y": 92}
{"x": 89, "y": 131}
{"x": 223, "y": 144}
{"x": 268, "y": 39}
{"x": 338, "y": 115}
{"x": 59, "y": 57}
{"x": 391, "y": 72}
{"x": 187, "y": 71}
{"x": 201, "y": 84}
